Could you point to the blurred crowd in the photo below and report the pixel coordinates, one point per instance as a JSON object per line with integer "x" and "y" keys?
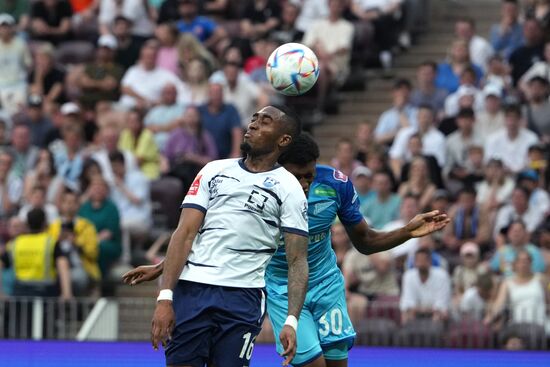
{"x": 109, "y": 108}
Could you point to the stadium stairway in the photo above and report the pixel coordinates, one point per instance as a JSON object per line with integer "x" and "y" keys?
{"x": 366, "y": 106}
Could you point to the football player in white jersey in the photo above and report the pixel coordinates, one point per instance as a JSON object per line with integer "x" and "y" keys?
{"x": 212, "y": 300}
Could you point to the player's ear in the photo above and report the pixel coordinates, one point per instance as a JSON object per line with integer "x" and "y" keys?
{"x": 284, "y": 141}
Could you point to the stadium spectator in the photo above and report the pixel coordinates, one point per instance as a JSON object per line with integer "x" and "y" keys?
{"x": 38, "y": 200}
{"x": 188, "y": 148}
{"x": 23, "y": 152}
{"x": 51, "y": 21}
{"x": 530, "y": 52}
{"x": 517, "y": 240}
{"x": 15, "y": 227}
{"x": 344, "y": 160}
{"x": 415, "y": 150}
{"x": 82, "y": 236}
{"x": 260, "y": 17}
{"x": 449, "y": 72}
{"x": 467, "y": 90}
{"x": 425, "y": 291}
{"x": 168, "y": 55}
{"x": 100, "y": 80}
{"x": 518, "y": 209}
{"x": 204, "y": 29}
{"x": 364, "y": 141}
{"x": 425, "y": 91}
{"x": 497, "y": 187}
{"x": 142, "y": 84}
{"x": 523, "y": 292}
{"x": 286, "y": 31}
{"x": 68, "y": 155}
{"x": 498, "y": 74}
{"x": 130, "y": 193}
{"x": 540, "y": 10}
{"x": 196, "y": 77}
{"x": 141, "y": 143}
{"x": 11, "y": 186}
{"x": 383, "y": 207}
{"x": 310, "y": 10}
{"x": 507, "y": 35}
{"x": 475, "y": 301}
{"x": 469, "y": 223}
{"x": 538, "y": 162}
{"x": 46, "y": 79}
{"x": 511, "y": 143}
{"x": 189, "y": 49}
{"x": 491, "y": 117}
{"x": 408, "y": 209}
{"x": 103, "y": 213}
{"x": 19, "y": 10}
{"x": 137, "y": 11}
{"x": 480, "y": 49}
{"x": 15, "y": 59}
{"x": 433, "y": 141}
{"x": 402, "y": 114}
{"x": 42, "y": 174}
{"x": 90, "y": 170}
{"x": 331, "y": 39}
{"x": 41, "y": 267}
{"x": 128, "y": 46}
{"x": 419, "y": 183}
{"x": 429, "y": 243}
{"x": 362, "y": 180}
{"x": 538, "y": 198}
{"x": 540, "y": 68}
{"x": 468, "y": 271}
{"x": 161, "y": 119}
{"x": 367, "y": 278}
{"x": 39, "y": 123}
{"x": 536, "y": 111}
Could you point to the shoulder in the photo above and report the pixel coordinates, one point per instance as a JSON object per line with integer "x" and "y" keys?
{"x": 331, "y": 176}
{"x": 440, "y": 273}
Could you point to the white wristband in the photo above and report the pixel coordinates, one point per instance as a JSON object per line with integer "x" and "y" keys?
{"x": 165, "y": 295}
{"x": 292, "y": 321}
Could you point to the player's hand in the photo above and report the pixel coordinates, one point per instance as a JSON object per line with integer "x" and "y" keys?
{"x": 162, "y": 324}
{"x": 144, "y": 273}
{"x": 426, "y": 223}
{"x": 288, "y": 341}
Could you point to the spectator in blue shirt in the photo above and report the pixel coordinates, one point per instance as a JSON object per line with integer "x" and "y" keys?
{"x": 206, "y": 30}
{"x": 448, "y": 72}
{"x": 223, "y": 122}
{"x": 383, "y": 207}
{"x": 507, "y": 35}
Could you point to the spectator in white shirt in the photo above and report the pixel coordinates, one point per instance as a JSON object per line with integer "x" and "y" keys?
{"x": 311, "y": 10}
{"x": 491, "y": 118}
{"x": 518, "y": 209}
{"x": 496, "y": 189}
{"x": 425, "y": 291}
{"x": 480, "y": 49}
{"x": 453, "y": 101}
{"x": 511, "y": 143}
{"x": 538, "y": 198}
{"x": 433, "y": 141}
{"x": 142, "y": 84}
{"x": 138, "y": 11}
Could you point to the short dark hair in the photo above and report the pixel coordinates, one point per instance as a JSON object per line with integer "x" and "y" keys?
{"x": 539, "y": 79}
{"x": 426, "y": 106}
{"x": 402, "y": 83}
{"x": 424, "y": 251}
{"x": 291, "y": 120}
{"x": 513, "y": 108}
{"x": 468, "y": 190}
{"x": 116, "y": 156}
{"x": 432, "y": 64}
{"x": 302, "y": 150}
{"x": 121, "y": 18}
{"x": 36, "y": 219}
{"x": 468, "y": 20}
{"x": 466, "y": 112}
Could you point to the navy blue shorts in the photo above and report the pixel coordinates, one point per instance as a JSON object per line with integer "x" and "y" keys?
{"x": 214, "y": 324}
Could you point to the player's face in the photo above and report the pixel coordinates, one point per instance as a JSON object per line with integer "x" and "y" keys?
{"x": 304, "y": 174}
{"x": 264, "y": 134}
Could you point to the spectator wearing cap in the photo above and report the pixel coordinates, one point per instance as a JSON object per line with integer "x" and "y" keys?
{"x": 137, "y": 11}
{"x": 38, "y": 122}
{"x": 402, "y": 114}
{"x": 425, "y": 91}
{"x": 507, "y": 35}
{"x": 491, "y": 117}
{"x": 362, "y": 179}
{"x": 540, "y": 68}
{"x": 68, "y": 154}
{"x": 23, "y": 152}
{"x": 531, "y": 51}
{"x": 433, "y": 141}
{"x": 19, "y": 10}
{"x": 344, "y": 159}
{"x": 51, "y": 21}
{"x": 518, "y": 209}
{"x": 100, "y": 79}
{"x": 15, "y": 59}
{"x": 457, "y": 145}
{"x": 453, "y": 103}
{"x": 260, "y": 17}
{"x": 536, "y": 112}
{"x": 128, "y": 46}
{"x": 538, "y": 198}
{"x": 466, "y": 274}
{"x": 46, "y": 79}
{"x": 204, "y": 29}
{"x": 511, "y": 143}
{"x": 496, "y": 188}
{"x": 142, "y": 84}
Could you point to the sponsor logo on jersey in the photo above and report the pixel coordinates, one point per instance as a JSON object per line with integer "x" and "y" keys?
{"x": 194, "y": 189}
{"x": 270, "y": 182}
{"x": 318, "y": 237}
{"x": 322, "y": 206}
{"x": 324, "y": 191}
{"x": 340, "y": 176}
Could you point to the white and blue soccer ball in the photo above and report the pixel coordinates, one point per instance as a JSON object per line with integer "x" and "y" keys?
{"x": 292, "y": 69}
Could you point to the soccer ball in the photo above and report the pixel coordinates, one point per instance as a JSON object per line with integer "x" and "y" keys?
{"x": 292, "y": 69}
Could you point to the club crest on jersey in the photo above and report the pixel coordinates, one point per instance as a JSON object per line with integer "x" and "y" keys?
{"x": 194, "y": 189}
{"x": 340, "y": 176}
{"x": 270, "y": 182}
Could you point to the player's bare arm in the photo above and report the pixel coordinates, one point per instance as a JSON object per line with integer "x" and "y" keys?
{"x": 368, "y": 241}
{"x": 143, "y": 273}
{"x": 176, "y": 257}
{"x": 298, "y": 270}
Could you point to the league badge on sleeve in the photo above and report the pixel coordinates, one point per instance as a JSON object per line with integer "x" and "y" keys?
{"x": 340, "y": 176}
{"x": 194, "y": 189}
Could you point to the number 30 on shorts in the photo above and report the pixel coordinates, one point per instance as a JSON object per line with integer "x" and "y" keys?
{"x": 248, "y": 346}
{"x": 332, "y": 321}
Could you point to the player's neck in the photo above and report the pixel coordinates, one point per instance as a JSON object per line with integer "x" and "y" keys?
{"x": 261, "y": 163}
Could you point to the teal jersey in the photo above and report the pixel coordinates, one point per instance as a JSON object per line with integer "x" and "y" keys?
{"x": 331, "y": 195}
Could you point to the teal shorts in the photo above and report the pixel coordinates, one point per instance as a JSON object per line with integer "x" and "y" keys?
{"x": 324, "y": 324}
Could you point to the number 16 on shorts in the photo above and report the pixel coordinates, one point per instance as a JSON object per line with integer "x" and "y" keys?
{"x": 248, "y": 346}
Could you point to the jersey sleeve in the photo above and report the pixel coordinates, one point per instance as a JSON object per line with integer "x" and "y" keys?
{"x": 198, "y": 195}
{"x": 294, "y": 211}
{"x": 348, "y": 211}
